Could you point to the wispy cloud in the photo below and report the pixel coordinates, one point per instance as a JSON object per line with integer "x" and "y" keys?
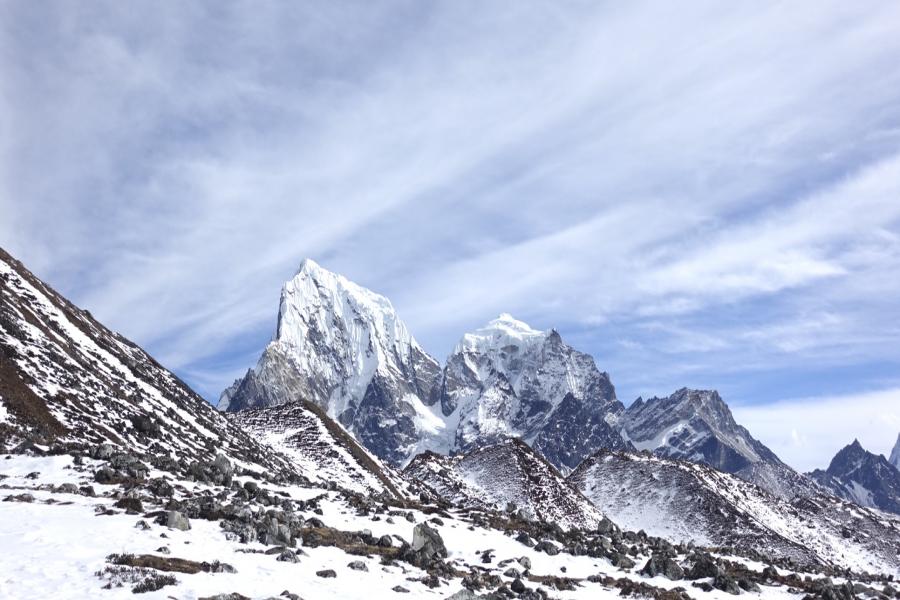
{"x": 699, "y": 195}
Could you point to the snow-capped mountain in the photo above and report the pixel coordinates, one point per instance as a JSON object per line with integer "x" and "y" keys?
{"x": 66, "y": 379}
{"x": 867, "y": 479}
{"x": 697, "y": 426}
{"x": 320, "y": 449}
{"x": 895, "y": 454}
{"x": 509, "y": 380}
{"x": 681, "y": 500}
{"x": 508, "y": 476}
{"x": 345, "y": 349}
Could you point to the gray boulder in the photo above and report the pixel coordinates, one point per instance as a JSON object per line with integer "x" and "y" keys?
{"x": 177, "y": 520}
{"x": 427, "y": 542}
{"x": 662, "y": 565}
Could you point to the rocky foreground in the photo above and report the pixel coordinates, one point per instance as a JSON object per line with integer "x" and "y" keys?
{"x": 95, "y": 521}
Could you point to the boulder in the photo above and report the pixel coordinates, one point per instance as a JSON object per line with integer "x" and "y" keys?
{"x": 427, "y": 542}
{"x": 358, "y": 565}
{"x": 176, "y": 520}
{"x": 663, "y": 565}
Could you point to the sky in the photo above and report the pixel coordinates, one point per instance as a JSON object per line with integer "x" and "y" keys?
{"x": 704, "y": 194}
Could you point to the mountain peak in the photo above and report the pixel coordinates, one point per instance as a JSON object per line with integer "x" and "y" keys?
{"x": 308, "y": 265}
{"x": 499, "y": 333}
{"x": 862, "y": 477}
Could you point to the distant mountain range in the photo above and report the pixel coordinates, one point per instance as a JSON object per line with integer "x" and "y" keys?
{"x": 345, "y": 349}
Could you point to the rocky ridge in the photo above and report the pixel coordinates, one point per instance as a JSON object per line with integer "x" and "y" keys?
{"x": 867, "y": 479}
{"x": 697, "y": 426}
{"x": 692, "y": 502}
{"x": 506, "y": 476}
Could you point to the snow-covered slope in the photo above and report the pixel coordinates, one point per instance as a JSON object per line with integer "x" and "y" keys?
{"x": 507, "y": 475}
{"x": 507, "y": 379}
{"x": 697, "y": 426}
{"x": 66, "y": 379}
{"x": 680, "y": 500}
{"x": 862, "y": 477}
{"x": 345, "y": 349}
{"x": 320, "y": 449}
{"x": 258, "y": 541}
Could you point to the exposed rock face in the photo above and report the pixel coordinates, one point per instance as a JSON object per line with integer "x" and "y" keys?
{"x": 344, "y": 348}
{"x": 697, "y": 425}
{"x": 680, "y": 500}
{"x": 509, "y": 380}
{"x": 862, "y": 477}
{"x": 65, "y": 377}
{"x": 508, "y": 476}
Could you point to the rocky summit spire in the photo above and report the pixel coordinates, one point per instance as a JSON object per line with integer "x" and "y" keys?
{"x": 343, "y": 347}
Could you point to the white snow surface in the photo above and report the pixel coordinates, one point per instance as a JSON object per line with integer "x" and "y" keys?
{"x": 61, "y": 541}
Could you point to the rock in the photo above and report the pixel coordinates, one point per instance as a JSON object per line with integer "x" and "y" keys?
{"x": 358, "y": 565}
{"x": 160, "y": 487}
{"x": 605, "y": 526}
{"x": 517, "y": 586}
{"x": 177, "y": 520}
{"x": 400, "y": 589}
{"x": 463, "y": 594}
{"x": 512, "y": 573}
{"x": 326, "y": 573}
{"x": 386, "y": 541}
{"x": 427, "y": 542}
{"x": 288, "y": 556}
{"x": 704, "y": 566}
{"x": 525, "y": 562}
{"x": 27, "y": 498}
{"x": 145, "y": 425}
{"x": 726, "y": 583}
{"x": 663, "y": 565}
{"x": 622, "y": 561}
{"x": 523, "y": 538}
{"x": 67, "y": 488}
{"x": 142, "y": 525}
{"x": 103, "y": 451}
{"x": 130, "y": 504}
{"x": 548, "y": 547}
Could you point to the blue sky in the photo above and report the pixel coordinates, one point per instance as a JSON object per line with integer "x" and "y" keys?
{"x": 705, "y": 195}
